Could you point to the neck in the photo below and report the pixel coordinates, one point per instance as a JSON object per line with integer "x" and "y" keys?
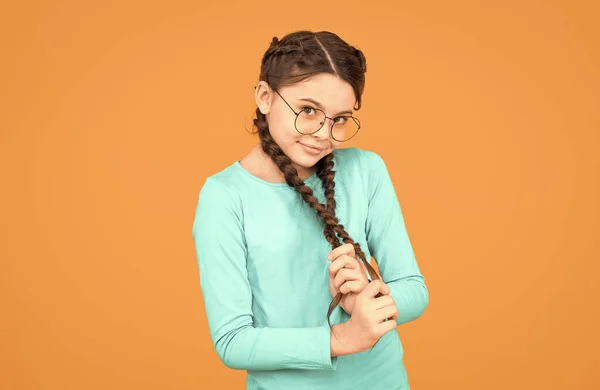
{"x": 272, "y": 170}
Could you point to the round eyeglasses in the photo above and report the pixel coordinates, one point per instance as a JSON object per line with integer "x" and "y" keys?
{"x": 309, "y": 120}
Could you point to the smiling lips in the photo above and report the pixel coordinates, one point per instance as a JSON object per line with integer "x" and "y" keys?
{"x": 311, "y": 149}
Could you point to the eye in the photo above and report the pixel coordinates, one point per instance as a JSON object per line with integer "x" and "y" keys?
{"x": 341, "y": 120}
{"x": 308, "y": 110}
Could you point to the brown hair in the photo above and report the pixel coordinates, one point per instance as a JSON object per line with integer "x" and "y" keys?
{"x": 298, "y": 56}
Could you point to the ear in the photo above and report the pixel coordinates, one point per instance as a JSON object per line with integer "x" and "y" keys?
{"x": 263, "y": 95}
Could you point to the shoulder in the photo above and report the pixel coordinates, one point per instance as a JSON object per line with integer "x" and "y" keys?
{"x": 219, "y": 203}
{"x": 221, "y": 190}
{"x": 367, "y": 161}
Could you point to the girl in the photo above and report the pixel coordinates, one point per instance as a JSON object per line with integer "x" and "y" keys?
{"x": 294, "y": 223}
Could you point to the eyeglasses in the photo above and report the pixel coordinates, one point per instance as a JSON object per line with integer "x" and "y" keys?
{"x": 309, "y": 120}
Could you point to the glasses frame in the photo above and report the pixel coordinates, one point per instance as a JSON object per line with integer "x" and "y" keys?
{"x": 356, "y": 120}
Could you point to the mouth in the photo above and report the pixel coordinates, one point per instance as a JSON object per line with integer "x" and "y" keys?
{"x": 311, "y": 148}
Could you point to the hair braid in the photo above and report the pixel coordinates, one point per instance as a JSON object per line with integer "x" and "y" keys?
{"x": 332, "y": 229}
{"x": 277, "y": 50}
{"x": 327, "y": 176}
{"x": 290, "y": 173}
{"x": 296, "y": 57}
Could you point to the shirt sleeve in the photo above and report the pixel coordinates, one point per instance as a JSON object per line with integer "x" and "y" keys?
{"x": 389, "y": 243}
{"x": 218, "y": 232}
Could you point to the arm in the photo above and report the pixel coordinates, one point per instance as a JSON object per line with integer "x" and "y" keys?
{"x": 389, "y": 243}
{"x": 218, "y": 232}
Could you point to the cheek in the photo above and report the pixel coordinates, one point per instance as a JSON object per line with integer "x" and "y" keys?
{"x": 283, "y": 130}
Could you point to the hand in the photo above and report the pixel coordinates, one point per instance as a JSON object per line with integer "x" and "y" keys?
{"x": 371, "y": 318}
{"x": 347, "y": 275}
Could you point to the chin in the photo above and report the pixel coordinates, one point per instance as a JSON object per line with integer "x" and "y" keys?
{"x": 305, "y": 162}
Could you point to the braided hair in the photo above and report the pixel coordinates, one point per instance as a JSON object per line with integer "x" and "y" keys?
{"x": 296, "y": 57}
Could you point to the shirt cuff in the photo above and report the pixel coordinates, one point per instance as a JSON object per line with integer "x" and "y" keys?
{"x": 326, "y": 359}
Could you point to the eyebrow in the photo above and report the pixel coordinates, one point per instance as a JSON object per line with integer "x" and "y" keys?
{"x": 316, "y": 103}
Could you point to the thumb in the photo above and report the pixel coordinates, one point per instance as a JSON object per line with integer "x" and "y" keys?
{"x": 375, "y": 287}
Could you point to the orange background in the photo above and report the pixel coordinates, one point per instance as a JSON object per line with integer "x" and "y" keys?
{"x": 113, "y": 114}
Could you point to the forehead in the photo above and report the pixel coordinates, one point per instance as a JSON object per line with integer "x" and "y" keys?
{"x": 332, "y": 92}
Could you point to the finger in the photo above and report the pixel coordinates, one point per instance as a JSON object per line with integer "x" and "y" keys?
{"x": 383, "y": 301}
{"x": 346, "y": 249}
{"x": 372, "y": 289}
{"x": 336, "y": 266}
{"x": 363, "y": 267}
{"x": 350, "y": 262}
{"x": 353, "y": 286}
{"x": 385, "y": 289}
{"x": 345, "y": 274}
{"x": 344, "y": 261}
{"x": 340, "y": 278}
{"x": 386, "y": 326}
{"x": 386, "y": 312}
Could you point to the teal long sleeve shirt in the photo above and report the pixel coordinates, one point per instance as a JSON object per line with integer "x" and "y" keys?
{"x": 263, "y": 266}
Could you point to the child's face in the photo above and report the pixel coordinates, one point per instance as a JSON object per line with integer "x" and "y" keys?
{"x": 335, "y": 96}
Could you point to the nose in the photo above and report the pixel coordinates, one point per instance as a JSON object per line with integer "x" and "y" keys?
{"x": 323, "y": 132}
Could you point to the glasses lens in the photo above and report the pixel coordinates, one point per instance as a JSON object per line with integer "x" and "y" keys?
{"x": 309, "y": 120}
{"x": 344, "y": 128}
